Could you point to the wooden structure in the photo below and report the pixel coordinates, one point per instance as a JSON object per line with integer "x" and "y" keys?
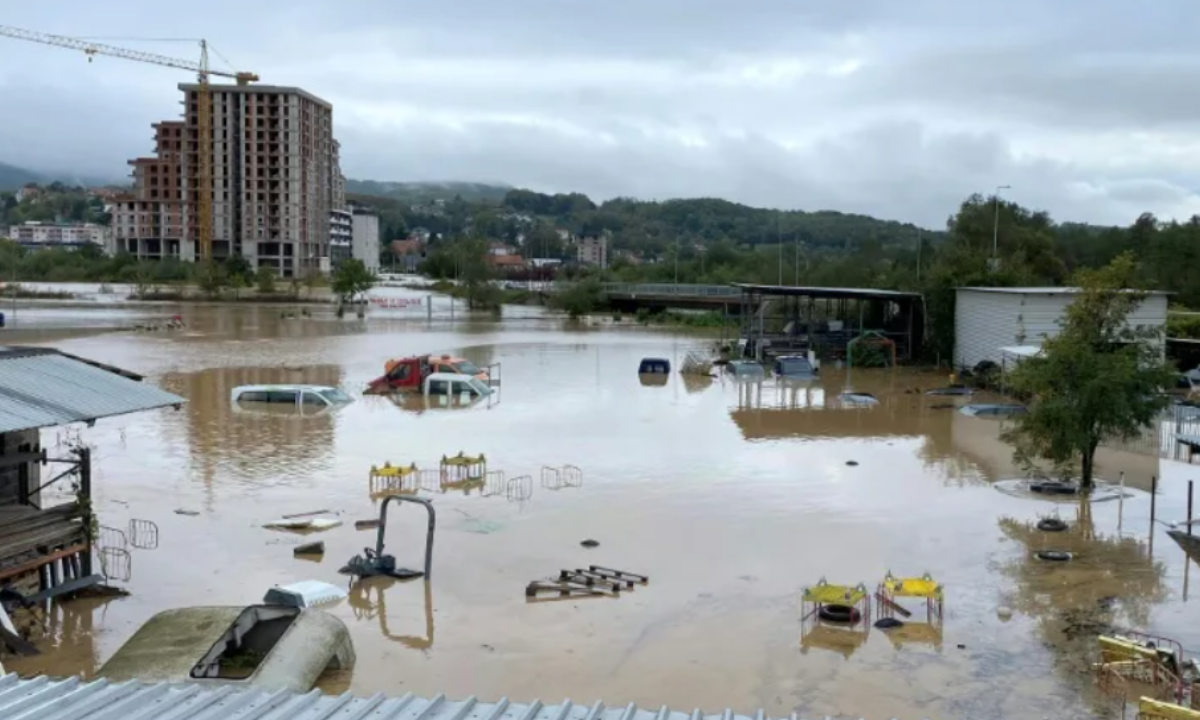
{"x": 44, "y": 547}
{"x": 787, "y": 320}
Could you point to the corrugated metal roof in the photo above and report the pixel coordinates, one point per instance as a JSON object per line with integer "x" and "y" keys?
{"x": 42, "y": 388}
{"x": 1046, "y": 290}
{"x": 73, "y": 699}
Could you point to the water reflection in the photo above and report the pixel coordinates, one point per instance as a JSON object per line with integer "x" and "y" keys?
{"x": 1112, "y": 579}
{"x": 368, "y": 599}
{"x": 221, "y": 438}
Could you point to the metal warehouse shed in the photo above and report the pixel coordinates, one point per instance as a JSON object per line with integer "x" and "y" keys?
{"x": 987, "y": 320}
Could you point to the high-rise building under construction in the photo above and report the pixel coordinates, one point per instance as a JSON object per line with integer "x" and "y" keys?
{"x": 275, "y": 179}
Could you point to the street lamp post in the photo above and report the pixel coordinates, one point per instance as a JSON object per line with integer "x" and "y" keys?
{"x": 676, "y": 259}
{"x": 996, "y": 222}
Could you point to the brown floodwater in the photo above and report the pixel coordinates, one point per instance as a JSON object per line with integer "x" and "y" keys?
{"x": 731, "y": 498}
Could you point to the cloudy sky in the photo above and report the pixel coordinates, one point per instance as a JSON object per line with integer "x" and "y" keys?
{"x": 895, "y": 109}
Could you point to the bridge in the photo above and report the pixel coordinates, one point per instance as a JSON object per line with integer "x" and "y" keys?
{"x": 631, "y": 297}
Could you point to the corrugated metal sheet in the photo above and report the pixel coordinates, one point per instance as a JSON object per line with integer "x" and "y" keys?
{"x": 43, "y": 389}
{"x": 988, "y": 319}
{"x": 983, "y": 323}
{"x": 44, "y": 699}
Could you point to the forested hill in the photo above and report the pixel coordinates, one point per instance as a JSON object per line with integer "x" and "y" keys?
{"x": 648, "y": 227}
{"x": 428, "y": 191}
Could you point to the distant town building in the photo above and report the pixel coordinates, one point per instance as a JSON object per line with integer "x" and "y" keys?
{"x": 507, "y": 264}
{"x": 408, "y": 253}
{"x": 593, "y": 251}
{"x": 341, "y": 235}
{"x": 364, "y": 244}
{"x": 67, "y": 236}
{"x": 28, "y": 192}
{"x": 495, "y": 247}
{"x": 275, "y": 180}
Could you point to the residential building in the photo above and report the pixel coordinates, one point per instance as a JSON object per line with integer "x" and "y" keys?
{"x": 341, "y": 234}
{"x": 365, "y": 239}
{"x": 67, "y": 236}
{"x": 495, "y": 247}
{"x": 593, "y": 251}
{"x": 28, "y": 192}
{"x": 1004, "y": 324}
{"x": 408, "y": 253}
{"x": 275, "y": 180}
{"x": 507, "y": 263}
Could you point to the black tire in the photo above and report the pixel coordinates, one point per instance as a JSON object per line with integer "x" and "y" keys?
{"x": 888, "y": 623}
{"x": 1053, "y": 488}
{"x": 1052, "y": 555}
{"x": 1051, "y": 525}
{"x": 839, "y": 614}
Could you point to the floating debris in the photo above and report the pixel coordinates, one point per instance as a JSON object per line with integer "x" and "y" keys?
{"x": 312, "y": 548}
{"x": 589, "y": 543}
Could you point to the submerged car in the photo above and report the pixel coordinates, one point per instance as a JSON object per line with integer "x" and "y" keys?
{"x": 306, "y": 397}
{"x": 992, "y": 410}
{"x": 462, "y": 366}
{"x": 794, "y": 367}
{"x": 745, "y": 370}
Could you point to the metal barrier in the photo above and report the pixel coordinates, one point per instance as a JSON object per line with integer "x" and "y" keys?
{"x": 660, "y": 289}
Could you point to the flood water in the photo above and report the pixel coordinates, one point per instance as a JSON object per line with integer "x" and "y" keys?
{"x": 731, "y": 499}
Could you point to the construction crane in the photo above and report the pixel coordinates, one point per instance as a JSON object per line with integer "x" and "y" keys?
{"x": 203, "y": 116}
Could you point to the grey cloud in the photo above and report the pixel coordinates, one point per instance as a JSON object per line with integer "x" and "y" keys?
{"x": 599, "y": 97}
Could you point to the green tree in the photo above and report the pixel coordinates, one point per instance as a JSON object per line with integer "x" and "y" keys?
{"x": 352, "y": 278}
{"x": 238, "y": 266}
{"x": 1098, "y": 379}
{"x": 312, "y": 279}
{"x": 580, "y": 298}
{"x": 264, "y": 280}
{"x": 212, "y": 278}
{"x": 475, "y": 274}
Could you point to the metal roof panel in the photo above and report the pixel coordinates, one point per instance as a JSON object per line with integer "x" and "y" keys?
{"x": 73, "y": 699}
{"x": 40, "y": 390}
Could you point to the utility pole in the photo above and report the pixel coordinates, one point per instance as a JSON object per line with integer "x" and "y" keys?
{"x": 779, "y": 243}
{"x": 797, "y": 283}
{"x": 677, "y": 259}
{"x": 919, "y": 244}
{"x": 996, "y": 224}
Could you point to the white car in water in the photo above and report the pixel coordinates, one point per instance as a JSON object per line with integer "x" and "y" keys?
{"x": 309, "y": 399}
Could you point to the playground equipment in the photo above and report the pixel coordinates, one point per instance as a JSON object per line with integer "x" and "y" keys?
{"x": 462, "y": 471}
{"x": 835, "y": 617}
{"x": 393, "y": 479}
{"x": 373, "y": 562}
{"x": 1151, "y": 709}
{"x": 925, "y": 587}
{"x": 1149, "y": 660}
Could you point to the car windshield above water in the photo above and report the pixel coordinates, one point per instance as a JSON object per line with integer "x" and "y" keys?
{"x": 285, "y": 395}
{"x": 794, "y": 366}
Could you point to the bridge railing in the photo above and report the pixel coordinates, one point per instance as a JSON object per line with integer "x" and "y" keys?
{"x": 660, "y": 289}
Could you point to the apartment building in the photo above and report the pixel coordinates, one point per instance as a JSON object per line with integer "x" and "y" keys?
{"x": 365, "y": 239}
{"x": 275, "y": 181}
{"x": 593, "y": 251}
{"x": 57, "y": 235}
{"x": 341, "y": 235}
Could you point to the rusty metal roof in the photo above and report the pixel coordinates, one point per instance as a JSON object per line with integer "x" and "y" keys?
{"x": 73, "y": 699}
{"x": 40, "y": 387}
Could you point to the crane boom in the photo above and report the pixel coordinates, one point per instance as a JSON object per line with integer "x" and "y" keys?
{"x": 204, "y": 181}
{"x": 91, "y": 48}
